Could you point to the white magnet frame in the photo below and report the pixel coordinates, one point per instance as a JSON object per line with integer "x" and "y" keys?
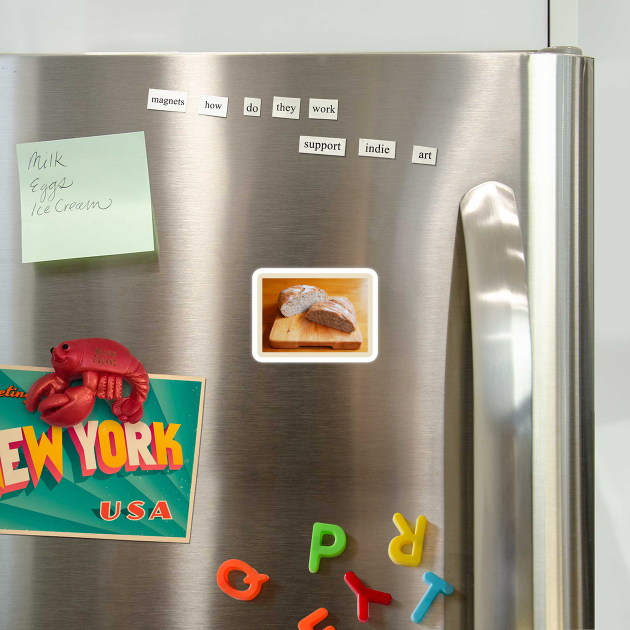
{"x": 294, "y": 356}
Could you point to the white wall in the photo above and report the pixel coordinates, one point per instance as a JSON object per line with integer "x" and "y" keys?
{"x": 604, "y": 27}
{"x": 271, "y": 25}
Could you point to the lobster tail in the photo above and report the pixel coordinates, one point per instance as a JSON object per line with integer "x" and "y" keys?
{"x": 130, "y": 409}
{"x": 139, "y": 381}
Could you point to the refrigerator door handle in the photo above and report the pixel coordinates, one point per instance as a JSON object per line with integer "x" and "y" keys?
{"x": 502, "y": 374}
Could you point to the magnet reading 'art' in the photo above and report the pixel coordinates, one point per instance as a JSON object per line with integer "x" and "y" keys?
{"x": 407, "y": 537}
{"x": 319, "y": 551}
{"x": 252, "y": 577}
{"x": 102, "y": 364}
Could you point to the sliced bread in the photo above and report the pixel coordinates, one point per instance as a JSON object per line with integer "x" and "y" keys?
{"x": 336, "y": 312}
{"x": 299, "y": 298}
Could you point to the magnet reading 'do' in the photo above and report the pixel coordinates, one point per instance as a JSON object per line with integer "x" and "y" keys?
{"x": 102, "y": 364}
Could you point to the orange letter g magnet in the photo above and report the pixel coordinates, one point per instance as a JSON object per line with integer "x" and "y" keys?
{"x": 252, "y": 577}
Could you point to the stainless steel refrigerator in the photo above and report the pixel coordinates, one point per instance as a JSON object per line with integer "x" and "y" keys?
{"x": 478, "y": 410}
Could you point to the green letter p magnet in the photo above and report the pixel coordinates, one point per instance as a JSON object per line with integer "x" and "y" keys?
{"x": 319, "y": 551}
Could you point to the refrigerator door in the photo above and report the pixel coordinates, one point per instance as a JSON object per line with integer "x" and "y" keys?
{"x": 287, "y": 445}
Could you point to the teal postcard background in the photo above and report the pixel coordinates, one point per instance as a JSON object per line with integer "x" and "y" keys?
{"x": 72, "y": 505}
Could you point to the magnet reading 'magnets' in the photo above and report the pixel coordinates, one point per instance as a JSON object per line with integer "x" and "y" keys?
{"x": 102, "y": 364}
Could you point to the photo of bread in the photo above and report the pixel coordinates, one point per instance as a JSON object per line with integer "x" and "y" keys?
{"x": 335, "y": 312}
{"x": 315, "y": 314}
{"x": 299, "y": 298}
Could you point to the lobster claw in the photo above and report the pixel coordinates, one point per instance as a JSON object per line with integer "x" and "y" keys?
{"x": 68, "y": 408}
{"x": 43, "y": 386}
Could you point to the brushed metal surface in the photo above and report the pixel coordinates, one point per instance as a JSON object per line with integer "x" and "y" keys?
{"x": 283, "y": 445}
{"x": 502, "y": 368}
{"x": 560, "y": 276}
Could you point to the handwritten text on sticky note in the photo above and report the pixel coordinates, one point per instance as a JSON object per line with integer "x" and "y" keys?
{"x": 85, "y": 197}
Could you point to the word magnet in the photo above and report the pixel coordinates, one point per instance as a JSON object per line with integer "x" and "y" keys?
{"x": 213, "y": 106}
{"x": 365, "y": 595}
{"x": 285, "y": 107}
{"x": 252, "y": 577}
{"x": 323, "y": 108}
{"x": 319, "y": 550}
{"x": 424, "y": 155}
{"x": 407, "y": 537}
{"x": 436, "y": 586}
{"x": 322, "y": 146}
{"x": 167, "y": 100}
{"x": 377, "y": 148}
{"x": 251, "y": 106}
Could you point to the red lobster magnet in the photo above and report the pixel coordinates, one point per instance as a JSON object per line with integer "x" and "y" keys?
{"x": 102, "y": 364}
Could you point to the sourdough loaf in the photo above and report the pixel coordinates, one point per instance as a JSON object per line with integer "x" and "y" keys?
{"x": 299, "y": 298}
{"x": 336, "y": 312}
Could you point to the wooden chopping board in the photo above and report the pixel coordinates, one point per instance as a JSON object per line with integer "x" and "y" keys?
{"x": 296, "y": 331}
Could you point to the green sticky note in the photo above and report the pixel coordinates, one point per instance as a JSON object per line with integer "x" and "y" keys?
{"x": 85, "y": 197}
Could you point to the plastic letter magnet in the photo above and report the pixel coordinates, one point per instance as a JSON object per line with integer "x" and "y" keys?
{"x": 436, "y": 586}
{"x": 365, "y": 595}
{"x": 407, "y": 537}
{"x": 319, "y": 551}
{"x": 252, "y": 577}
{"x": 308, "y": 623}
